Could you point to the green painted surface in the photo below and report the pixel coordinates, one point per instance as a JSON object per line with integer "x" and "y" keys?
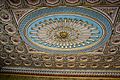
{"x": 13, "y": 77}
{"x": 32, "y": 77}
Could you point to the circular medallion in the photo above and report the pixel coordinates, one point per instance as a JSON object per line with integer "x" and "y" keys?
{"x": 65, "y": 29}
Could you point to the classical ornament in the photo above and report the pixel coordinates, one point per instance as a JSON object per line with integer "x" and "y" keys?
{"x": 36, "y": 38}
{"x": 4, "y": 15}
{"x": 64, "y": 30}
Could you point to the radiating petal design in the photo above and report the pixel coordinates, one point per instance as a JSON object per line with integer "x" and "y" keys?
{"x": 65, "y": 29}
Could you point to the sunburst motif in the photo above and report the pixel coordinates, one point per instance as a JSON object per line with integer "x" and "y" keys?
{"x": 65, "y": 33}
{"x": 65, "y": 30}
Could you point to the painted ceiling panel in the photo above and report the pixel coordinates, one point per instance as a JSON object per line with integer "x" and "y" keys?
{"x": 60, "y": 37}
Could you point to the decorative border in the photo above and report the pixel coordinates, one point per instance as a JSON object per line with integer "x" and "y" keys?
{"x": 65, "y": 72}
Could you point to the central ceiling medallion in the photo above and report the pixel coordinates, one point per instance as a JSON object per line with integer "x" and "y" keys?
{"x": 65, "y": 29}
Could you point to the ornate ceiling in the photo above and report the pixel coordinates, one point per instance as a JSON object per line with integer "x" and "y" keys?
{"x": 60, "y": 37}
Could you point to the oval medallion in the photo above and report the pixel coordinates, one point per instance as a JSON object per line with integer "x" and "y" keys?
{"x": 65, "y": 29}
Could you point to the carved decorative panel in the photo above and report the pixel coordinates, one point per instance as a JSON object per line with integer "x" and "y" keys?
{"x": 60, "y": 37}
